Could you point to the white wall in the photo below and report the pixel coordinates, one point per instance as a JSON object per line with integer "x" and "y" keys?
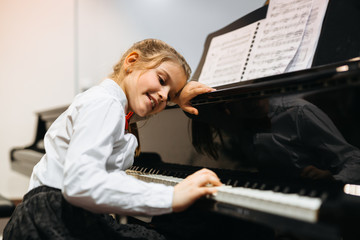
{"x": 108, "y": 28}
{"x": 36, "y": 72}
{"x": 50, "y": 49}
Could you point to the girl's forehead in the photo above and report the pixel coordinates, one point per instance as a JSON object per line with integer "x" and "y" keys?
{"x": 174, "y": 74}
{"x": 173, "y": 70}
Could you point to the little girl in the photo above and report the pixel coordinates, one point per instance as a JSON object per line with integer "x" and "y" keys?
{"x": 81, "y": 178}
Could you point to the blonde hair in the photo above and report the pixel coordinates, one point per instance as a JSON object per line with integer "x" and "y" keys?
{"x": 152, "y": 52}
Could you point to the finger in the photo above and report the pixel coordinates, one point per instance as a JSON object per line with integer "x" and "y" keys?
{"x": 205, "y": 179}
{"x": 208, "y": 173}
{"x": 190, "y": 109}
{"x": 194, "y": 90}
{"x": 208, "y": 190}
{"x": 200, "y": 90}
{"x": 199, "y": 85}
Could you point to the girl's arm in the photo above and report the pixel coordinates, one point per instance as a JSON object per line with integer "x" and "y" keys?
{"x": 191, "y": 90}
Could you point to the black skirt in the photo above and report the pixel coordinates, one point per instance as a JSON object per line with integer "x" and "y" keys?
{"x": 45, "y": 214}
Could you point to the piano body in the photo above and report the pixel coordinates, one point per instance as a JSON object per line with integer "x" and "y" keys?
{"x": 285, "y": 146}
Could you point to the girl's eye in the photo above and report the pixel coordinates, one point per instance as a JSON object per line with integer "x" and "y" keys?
{"x": 162, "y": 82}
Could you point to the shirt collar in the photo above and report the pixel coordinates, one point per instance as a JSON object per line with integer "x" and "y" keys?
{"x": 116, "y": 91}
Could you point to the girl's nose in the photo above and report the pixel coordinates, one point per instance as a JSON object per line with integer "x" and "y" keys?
{"x": 163, "y": 94}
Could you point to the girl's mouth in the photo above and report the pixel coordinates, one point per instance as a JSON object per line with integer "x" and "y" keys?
{"x": 153, "y": 103}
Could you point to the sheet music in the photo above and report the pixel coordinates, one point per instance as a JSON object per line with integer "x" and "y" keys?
{"x": 284, "y": 41}
{"x": 279, "y": 37}
{"x": 226, "y": 56}
{"x": 305, "y": 54}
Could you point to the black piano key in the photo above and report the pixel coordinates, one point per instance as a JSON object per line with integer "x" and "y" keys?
{"x": 228, "y": 182}
{"x": 286, "y": 190}
{"x": 302, "y": 192}
{"x": 235, "y": 184}
{"x": 313, "y": 193}
{"x": 324, "y": 195}
{"x": 276, "y": 188}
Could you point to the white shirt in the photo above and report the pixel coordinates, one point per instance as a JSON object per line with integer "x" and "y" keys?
{"x": 87, "y": 151}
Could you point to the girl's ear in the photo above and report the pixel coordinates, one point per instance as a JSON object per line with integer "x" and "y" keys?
{"x": 130, "y": 59}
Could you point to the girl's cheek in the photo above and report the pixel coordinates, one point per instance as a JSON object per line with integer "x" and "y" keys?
{"x": 161, "y": 107}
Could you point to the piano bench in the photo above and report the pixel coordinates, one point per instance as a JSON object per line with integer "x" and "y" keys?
{"x": 6, "y": 207}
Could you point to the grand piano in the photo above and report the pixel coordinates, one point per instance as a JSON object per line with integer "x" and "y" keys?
{"x": 285, "y": 146}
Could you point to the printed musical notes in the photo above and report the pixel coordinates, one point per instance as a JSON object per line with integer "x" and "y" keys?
{"x": 304, "y": 55}
{"x": 226, "y": 56}
{"x": 276, "y": 39}
{"x": 284, "y": 41}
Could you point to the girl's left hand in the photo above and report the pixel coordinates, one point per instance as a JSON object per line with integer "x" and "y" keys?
{"x": 191, "y": 90}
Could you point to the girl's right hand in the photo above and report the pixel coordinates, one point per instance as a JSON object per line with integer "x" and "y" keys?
{"x": 191, "y": 90}
{"x": 198, "y": 184}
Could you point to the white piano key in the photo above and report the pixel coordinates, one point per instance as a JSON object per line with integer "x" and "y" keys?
{"x": 287, "y": 205}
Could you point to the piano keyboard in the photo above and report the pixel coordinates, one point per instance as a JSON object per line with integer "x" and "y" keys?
{"x": 292, "y": 205}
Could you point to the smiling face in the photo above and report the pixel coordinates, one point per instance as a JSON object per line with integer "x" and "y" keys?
{"x": 149, "y": 90}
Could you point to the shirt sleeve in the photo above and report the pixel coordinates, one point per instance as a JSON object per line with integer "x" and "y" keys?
{"x": 88, "y": 184}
